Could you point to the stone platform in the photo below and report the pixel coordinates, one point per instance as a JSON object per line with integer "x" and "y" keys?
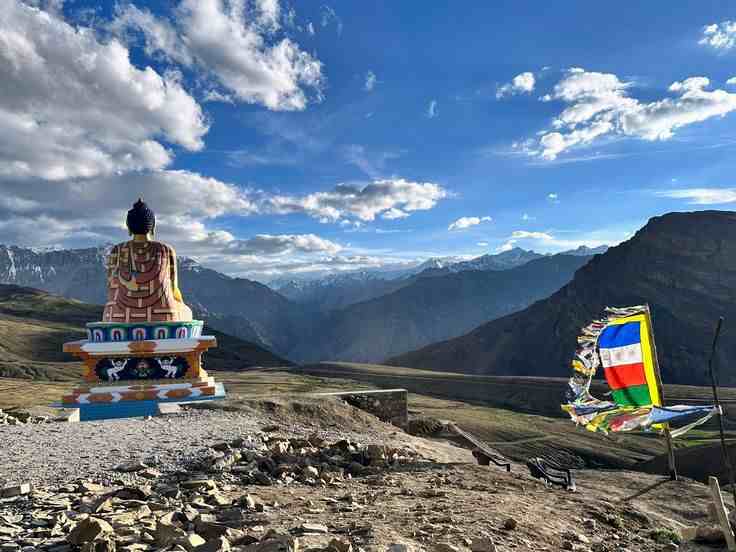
{"x": 132, "y": 377}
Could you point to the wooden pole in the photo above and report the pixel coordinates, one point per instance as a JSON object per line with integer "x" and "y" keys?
{"x": 714, "y": 384}
{"x": 660, "y": 389}
{"x": 721, "y": 513}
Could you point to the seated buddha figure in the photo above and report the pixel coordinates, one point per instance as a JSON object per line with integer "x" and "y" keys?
{"x": 142, "y": 283}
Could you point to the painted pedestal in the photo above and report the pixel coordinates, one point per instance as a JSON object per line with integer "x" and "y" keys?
{"x": 131, "y": 368}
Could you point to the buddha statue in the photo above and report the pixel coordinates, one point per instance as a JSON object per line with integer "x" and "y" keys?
{"x": 142, "y": 284}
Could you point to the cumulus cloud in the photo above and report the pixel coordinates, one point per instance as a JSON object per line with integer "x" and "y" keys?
{"x": 187, "y": 206}
{"x": 73, "y": 106}
{"x": 523, "y": 83}
{"x": 231, "y": 42}
{"x": 720, "y": 36}
{"x": 268, "y": 244}
{"x": 702, "y": 196}
{"x": 370, "y": 81}
{"x": 466, "y": 222}
{"x": 524, "y": 234}
{"x": 598, "y": 106}
{"x": 548, "y": 241}
{"x": 72, "y": 208}
{"x": 390, "y": 198}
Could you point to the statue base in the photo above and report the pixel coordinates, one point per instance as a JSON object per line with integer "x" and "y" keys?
{"x": 131, "y": 378}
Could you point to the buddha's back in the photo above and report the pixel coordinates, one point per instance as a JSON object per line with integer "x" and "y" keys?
{"x": 141, "y": 277}
{"x": 142, "y": 283}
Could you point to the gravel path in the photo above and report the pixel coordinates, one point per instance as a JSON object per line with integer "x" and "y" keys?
{"x": 58, "y": 453}
{"x": 61, "y": 452}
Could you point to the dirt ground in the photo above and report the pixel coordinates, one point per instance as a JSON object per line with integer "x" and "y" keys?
{"x": 439, "y": 496}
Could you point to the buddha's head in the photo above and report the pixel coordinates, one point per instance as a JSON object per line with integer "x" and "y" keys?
{"x": 141, "y": 221}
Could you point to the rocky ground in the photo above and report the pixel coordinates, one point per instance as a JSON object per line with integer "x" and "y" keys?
{"x": 289, "y": 475}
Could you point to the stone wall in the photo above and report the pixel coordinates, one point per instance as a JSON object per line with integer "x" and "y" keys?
{"x": 388, "y": 405}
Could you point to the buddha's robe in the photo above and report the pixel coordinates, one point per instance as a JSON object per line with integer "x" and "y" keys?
{"x": 142, "y": 284}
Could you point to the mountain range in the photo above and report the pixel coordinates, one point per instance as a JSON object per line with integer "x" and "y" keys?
{"x": 682, "y": 264}
{"x": 339, "y": 315}
{"x": 431, "y": 308}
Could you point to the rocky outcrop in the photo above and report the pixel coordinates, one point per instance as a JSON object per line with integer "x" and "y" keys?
{"x": 682, "y": 264}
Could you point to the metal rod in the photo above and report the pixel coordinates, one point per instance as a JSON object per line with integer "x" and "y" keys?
{"x": 660, "y": 390}
{"x": 714, "y": 383}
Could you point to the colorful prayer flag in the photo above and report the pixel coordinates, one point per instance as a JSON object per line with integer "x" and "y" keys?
{"x": 628, "y": 365}
{"x": 621, "y": 342}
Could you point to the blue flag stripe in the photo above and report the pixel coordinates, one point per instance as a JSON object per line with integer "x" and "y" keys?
{"x": 619, "y": 335}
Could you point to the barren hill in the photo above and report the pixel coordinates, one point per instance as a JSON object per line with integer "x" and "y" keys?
{"x": 34, "y": 324}
{"x": 682, "y": 264}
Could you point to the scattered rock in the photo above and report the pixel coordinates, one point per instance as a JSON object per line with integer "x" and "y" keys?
{"x": 131, "y": 466}
{"x": 15, "y": 490}
{"x": 483, "y": 544}
{"x": 445, "y": 547}
{"x": 88, "y": 530}
{"x": 313, "y": 528}
{"x": 220, "y": 544}
{"x": 510, "y": 524}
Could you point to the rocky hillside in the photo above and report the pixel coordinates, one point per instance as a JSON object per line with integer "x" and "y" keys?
{"x": 682, "y": 264}
{"x": 433, "y": 308}
{"x": 35, "y": 324}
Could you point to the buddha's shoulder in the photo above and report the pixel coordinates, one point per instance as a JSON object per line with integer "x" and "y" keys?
{"x": 155, "y": 245}
{"x": 163, "y": 247}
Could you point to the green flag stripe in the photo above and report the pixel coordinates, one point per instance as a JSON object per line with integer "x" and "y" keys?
{"x": 636, "y": 395}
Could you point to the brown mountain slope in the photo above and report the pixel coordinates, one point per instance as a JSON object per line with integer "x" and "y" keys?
{"x": 682, "y": 264}
{"x": 433, "y": 308}
{"x": 34, "y": 325}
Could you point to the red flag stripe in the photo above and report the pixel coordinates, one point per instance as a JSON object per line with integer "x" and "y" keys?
{"x": 625, "y": 375}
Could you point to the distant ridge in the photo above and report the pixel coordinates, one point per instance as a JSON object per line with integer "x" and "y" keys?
{"x": 682, "y": 264}
{"x": 433, "y": 307}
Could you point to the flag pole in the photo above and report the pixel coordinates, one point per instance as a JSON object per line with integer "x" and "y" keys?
{"x": 714, "y": 384}
{"x": 660, "y": 389}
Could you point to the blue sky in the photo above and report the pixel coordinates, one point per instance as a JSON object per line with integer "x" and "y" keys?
{"x": 276, "y": 138}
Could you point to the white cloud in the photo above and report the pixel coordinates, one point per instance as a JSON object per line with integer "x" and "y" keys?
{"x": 731, "y": 81}
{"x": 394, "y": 213}
{"x": 370, "y": 81}
{"x": 268, "y": 244}
{"x": 551, "y": 197}
{"x": 720, "y": 36}
{"x": 329, "y": 17}
{"x": 598, "y": 106}
{"x": 466, "y": 222}
{"x": 93, "y": 210}
{"x": 364, "y": 203}
{"x": 547, "y": 241}
{"x": 432, "y": 110}
{"x": 72, "y": 106}
{"x": 524, "y": 234}
{"x": 523, "y": 83}
{"x": 232, "y": 43}
{"x": 527, "y": 217}
{"x": 482, "y": 244}
{"x": 702, "y": 196}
